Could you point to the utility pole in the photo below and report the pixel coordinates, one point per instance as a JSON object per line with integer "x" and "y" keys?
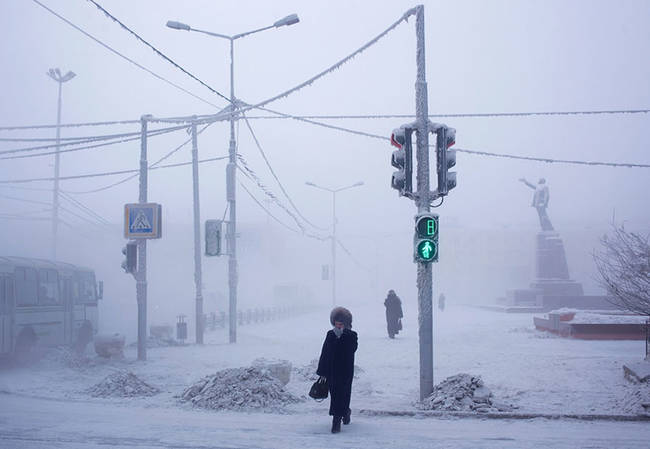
{"x": 231, "y": 168}
{"x": 334, "y": 248}
{"x": 197, "y": 237}
{"x": 422, "y": 198}
{"x": 141, "y": 275}
{"x": 55, "y": 74}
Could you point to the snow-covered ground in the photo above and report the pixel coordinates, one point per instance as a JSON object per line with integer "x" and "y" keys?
{"x": 529, "y": 369}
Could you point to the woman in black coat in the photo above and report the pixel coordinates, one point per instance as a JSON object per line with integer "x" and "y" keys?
{"x": 336, "y": 365}
{"x": 393, "y": 313}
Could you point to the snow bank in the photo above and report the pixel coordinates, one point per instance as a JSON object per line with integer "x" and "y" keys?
{"x": 634, "y": 399}
{"x": 462, "y": 392}
{"x": 65, "y": 356}
{"x": 122, "y": 384}
{"x": 239, "y": 389}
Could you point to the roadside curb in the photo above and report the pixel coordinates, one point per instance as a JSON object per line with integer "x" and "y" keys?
{"x": 550, "y": 416}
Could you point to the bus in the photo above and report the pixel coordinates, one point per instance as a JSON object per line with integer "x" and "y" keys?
{"x": 44, "y": 304}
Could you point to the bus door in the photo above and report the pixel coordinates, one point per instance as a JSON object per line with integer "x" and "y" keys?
{"x": 6, "y": 314}
{"x": 68, "y": 312}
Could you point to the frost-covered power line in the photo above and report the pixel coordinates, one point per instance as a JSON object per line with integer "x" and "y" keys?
{"x": 101, "y": 174}
{"x": 155, "y": 50}
{"x": 123, "y": 56}
{"x": 453, "y": 115}
{"x": 268, "y": 164}
{"x": 128, "y": 178}
{"x": 91, "y": 139}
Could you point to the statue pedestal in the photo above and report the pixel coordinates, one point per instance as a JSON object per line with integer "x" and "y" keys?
{"x": 552, "y": 287}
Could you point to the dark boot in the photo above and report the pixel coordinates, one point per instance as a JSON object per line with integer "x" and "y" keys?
{"x": 336, "y": 424}
{"x": 346, "y": 418}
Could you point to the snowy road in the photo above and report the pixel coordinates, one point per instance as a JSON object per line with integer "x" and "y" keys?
{"x": 46, "y": 423}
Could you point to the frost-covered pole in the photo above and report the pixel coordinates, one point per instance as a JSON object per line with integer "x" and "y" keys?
{"x": 424, "y": 277}
{"x": 231, "y": 172}
{"x": 197, "y": 237}
{"x": 334, "y": 248}
{"x": 55, "y": 74}
{"x": 141, "y": 275}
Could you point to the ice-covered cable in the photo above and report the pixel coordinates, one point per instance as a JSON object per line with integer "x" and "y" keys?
{"x": 123, "y": 56}
{"x": 268, "y": 164}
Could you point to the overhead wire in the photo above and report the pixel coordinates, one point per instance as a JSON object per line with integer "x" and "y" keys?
{"x": 101, "y": 174}
{"x": 275, "y": 176}
{"x": 128, "y": 178}
{"x": 241, "y": 184}
{"x": 123, "y": 136}
{"x": 123, "y": 56}
{"x": 155, "y": 50}
{"x": 455, "y": 115}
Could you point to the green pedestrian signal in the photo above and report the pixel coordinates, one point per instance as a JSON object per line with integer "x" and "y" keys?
{"x": 425, "y": 240}
{"x": 427, "y": 250}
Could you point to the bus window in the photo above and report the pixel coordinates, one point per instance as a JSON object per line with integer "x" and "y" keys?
{"x": 26, "y": 286}
{"x": 48, "y": 286}
{"x": 84, "y": 288}
{"x": 3, "y": 308}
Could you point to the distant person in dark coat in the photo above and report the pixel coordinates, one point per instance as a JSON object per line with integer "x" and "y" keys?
{"x": 393, "y": 313}
{"x": 336, "y": 365}
{"x": 441, "y": 302}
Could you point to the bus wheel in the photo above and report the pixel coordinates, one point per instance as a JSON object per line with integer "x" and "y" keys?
{"x": 84, "y": 337}
{"x": 24, "y": 345}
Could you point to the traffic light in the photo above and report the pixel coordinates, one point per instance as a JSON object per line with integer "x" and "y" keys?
{"x": 446, "y": 158}
{"x": 130, "y": 263}
{"x": 402, "y": 159}
{"x": 425, "y": 241}
{"x": 212, "y": 237}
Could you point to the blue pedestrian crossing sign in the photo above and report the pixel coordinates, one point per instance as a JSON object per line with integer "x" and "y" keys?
{"x": 142, "y": 221}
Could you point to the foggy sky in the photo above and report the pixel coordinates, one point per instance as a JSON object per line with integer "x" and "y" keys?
{"x": 482, "y": 56}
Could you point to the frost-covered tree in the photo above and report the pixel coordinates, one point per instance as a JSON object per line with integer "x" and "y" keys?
{"x": 624, "y": 266}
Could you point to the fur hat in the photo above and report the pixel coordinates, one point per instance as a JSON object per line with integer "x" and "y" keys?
{"x": 342, "y": 315}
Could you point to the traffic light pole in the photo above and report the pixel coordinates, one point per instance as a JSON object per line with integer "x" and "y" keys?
{"x": 424, "y": 270}
{"x": 198, "y": 281}
{"x": 141, "y": 274}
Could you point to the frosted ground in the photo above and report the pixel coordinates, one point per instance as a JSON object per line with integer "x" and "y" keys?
{"x": 531, "y": 370}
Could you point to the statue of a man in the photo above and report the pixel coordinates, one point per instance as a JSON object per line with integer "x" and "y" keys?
{"x": 540, "y": 202}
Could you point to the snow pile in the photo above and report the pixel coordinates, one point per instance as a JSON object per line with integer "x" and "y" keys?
{"x": 634, "y": 400}
{"x": 157, "y": 342}
{"x": 462, "y": 392}
{"x": 239, "y": 389}
{"x": 65, "y": 356}
{"x": 307, "y": 373}
{"x": 278, "y": 368}
{"x": 122, "y": 384}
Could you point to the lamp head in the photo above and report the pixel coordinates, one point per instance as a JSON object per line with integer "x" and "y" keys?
{"x": 286, "y": 21}
{"x": 178, "y": 25}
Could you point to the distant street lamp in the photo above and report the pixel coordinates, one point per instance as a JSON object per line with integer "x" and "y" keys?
{"x": 231, "y": 172}
{"x": 333, "y": 238}
{"x": 55, "y": 74}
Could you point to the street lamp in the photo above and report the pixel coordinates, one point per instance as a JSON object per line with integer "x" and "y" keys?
{"x": 55, "y": 74}
{"x": 232, "y": 162}
{"x": 333, "y": 238}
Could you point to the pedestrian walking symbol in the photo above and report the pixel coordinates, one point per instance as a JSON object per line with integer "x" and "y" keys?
{"x": 427, "y": 250}
{"x": 142, "y": 220}
{"x": 141, "y": 223}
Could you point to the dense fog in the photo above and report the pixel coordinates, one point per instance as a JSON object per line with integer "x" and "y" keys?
{"x": 519, "y": 81}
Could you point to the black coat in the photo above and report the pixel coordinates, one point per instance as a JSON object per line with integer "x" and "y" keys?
{"x": 337, "y": 365}
{"x": 393, "y": 313}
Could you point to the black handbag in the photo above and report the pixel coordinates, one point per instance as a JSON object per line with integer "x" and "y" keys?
{"x": 319, "y": 391}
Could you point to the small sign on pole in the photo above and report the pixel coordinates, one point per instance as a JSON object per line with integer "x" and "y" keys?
{"x": 212, "y": 237}
{"x": 143, "y": 221}
{"x": 325, "y": 272}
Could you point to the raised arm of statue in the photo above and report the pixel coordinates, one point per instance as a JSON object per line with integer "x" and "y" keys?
{"x": 532, "y": 186}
